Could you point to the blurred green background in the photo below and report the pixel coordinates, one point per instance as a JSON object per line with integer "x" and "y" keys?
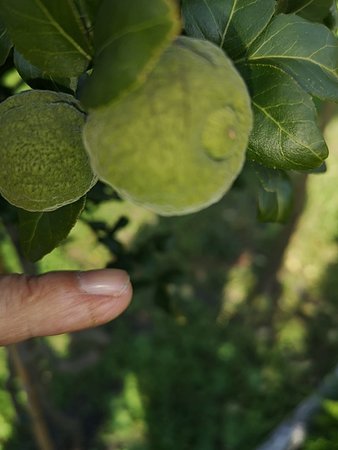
{"x": 232, "y": 324}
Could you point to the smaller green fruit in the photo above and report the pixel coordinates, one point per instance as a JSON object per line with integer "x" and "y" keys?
{"x": 43, "y": 164}
{"x": 176, "y": 144}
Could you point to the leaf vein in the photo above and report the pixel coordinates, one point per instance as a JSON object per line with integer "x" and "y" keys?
{"x": 228, "y": 22}
{"x": 282, "y": 129}
{"x": 62, "y": 32}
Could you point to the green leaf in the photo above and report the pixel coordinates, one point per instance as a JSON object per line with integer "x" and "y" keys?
{"x": 317, "y": 170}
{"x": 38, "y": 79}
{"x": 41, "y": 232}
{"x": 89, "y": 8}
{"x": 231, "y": 24}
{"x": 275, "y": 195}
{"x": 5, "y": 44}
{"x": 314, "y": 10}
{"x": 127, "y": 46}
{"x": 49, "y": 34}
{"x": 285, "y": 133}
{"x": 308, "y": 51}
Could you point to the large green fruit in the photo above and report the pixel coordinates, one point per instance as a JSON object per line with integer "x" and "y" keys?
{"x": 43, "y": 163}
{"x": 176, "y": 144}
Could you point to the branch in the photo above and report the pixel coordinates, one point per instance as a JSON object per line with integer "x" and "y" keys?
{"x": 40, "y": 429}
{"x": 291, "y": 434}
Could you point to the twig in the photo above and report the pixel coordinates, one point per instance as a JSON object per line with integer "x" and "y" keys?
{"x": 291, "y": 433}
{"x": 40, "y": 428}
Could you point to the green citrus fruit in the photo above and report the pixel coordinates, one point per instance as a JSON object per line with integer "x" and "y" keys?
{"x": 176, "y": 144}
{"x": 43, "y": 161}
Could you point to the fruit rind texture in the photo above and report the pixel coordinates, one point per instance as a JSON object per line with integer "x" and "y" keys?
{"x": 43, "y": 163}
{"x": 176, "y": 144}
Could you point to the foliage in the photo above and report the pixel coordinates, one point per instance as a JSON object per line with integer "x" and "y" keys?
{"x": 225, "y": 366}
{"x": 325, "y": 424}
{"x": 195, "y": 378}
{"x": 103, "y": 52}
{"x": 275, "y": 196}
{"x": 42, "y": 231}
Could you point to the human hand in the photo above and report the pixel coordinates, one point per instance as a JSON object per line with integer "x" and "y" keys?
{"x": 60, "y": 302}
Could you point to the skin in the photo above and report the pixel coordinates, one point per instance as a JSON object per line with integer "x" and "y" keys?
{"x": 60, "y": 302}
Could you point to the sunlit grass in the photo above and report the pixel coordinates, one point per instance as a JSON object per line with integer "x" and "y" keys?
{"x": 240, "y": 280}
{"x": 315, "y": 244}
{"x": 127, "y": 414}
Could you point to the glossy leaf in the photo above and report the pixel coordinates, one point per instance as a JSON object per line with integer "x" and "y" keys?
{"x": 5, "y": 44}
{"x": 49, "y": 34}
{"x": 231, "y": 24}
{"x": 127, "y": 46}
{"x": 285, "y": 133}
{"x": 41, "y": 232}
{"x": 36, "y": 78}
{"x": 275, "y": 195}
{"x": 308, "y": 51}
{"x": 314, "y": 10}
{"x": 317, "y": 170}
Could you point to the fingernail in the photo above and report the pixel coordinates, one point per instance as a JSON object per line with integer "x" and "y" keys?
{"x": 104, "y": 282}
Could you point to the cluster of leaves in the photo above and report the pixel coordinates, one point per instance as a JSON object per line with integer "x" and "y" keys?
{"x": 99, "y": 51}
{"x": 55, "y": 46}
{"x": 287, "y": 54}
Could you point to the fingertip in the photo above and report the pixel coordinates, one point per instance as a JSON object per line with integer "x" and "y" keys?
{"x": 92, "y": 298}
{"x": 60, "y": 302}
{"x": 112, "y": 282}
{"x": 108, "y": 307}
